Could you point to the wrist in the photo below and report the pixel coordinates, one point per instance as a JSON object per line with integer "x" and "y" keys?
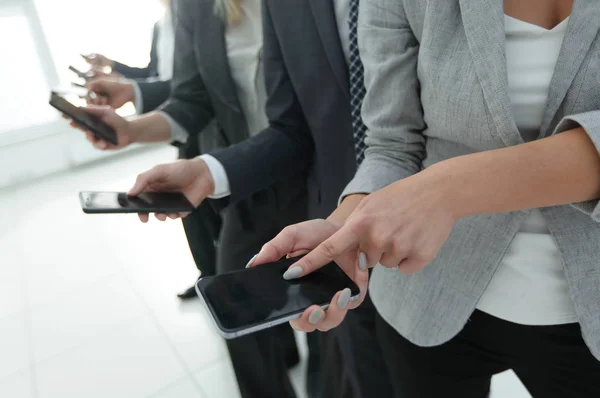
{"x": 345, "y": 209}
{"x": 444, "y": 180}
{"x": 129, "y": 90}
{"x": 202, "y": 173}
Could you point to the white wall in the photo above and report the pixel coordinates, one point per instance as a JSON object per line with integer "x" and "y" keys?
{"x": 40, "y": 152}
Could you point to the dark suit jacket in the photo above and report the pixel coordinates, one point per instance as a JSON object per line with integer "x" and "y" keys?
{"x": 202, "y": 89}
{"x": 308, "y": 108}
{"x": 140, "y": 73}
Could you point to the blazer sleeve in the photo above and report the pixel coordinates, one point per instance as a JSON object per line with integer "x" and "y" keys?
{"x": 154, "y": 93}
{"x": 392, "y": 109}
{"x": 590, "y": 122}
{"x": 284, "y": 148}
{"x": 189, "y": 103}
{"x": 141, "y": 73}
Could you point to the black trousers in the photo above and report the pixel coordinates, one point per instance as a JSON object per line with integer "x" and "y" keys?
{"x": 258, "y": 359}
{"x": 202, "y": 227}
{"x": 360, "y": 369}
{"x": 551, "y": 361}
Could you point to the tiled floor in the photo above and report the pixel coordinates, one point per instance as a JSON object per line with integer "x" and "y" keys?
{"x": 88, "y": 306}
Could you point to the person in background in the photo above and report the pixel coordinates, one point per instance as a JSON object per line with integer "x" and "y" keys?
{"x": 302, "y": 136}
{"x": 147, "y": 88}
{"x": 477, "y": 202}
{"x": 218, "y": 75}
{"x": 161, "y": 53}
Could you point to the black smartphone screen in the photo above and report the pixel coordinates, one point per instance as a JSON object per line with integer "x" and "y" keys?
{"x": 79, "y": 116}
{"x": 259, "y": 295}
{"x": 146, "y": 202}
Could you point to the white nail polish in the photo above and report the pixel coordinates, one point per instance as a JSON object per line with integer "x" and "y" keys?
{"x": 344, "y": 299}
{"x": 316, "y": 316}
{"x": 292, "y": 273}
{"x": 251, "y": 260}
{"x": 362, "y": 261}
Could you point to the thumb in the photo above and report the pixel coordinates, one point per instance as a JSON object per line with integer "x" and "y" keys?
{"x": 141, "y": 182}
{"x": 97, "y": 85}
{"x": 107, "y": 114}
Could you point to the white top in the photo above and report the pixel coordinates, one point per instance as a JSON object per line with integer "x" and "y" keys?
{"x": 342, "y": 15}
{"x": 165, "y": 51}
{"x": 165, "y": 46}
{"x": 244, "y": 43}
{"x": 529, "y": 286}
{"x": 244, "y": 51}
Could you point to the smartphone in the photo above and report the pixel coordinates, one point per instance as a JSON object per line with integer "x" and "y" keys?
{"x": 257, "y": 298}
{"x": 90, "y": 122}
{"x": 79, "y": 73}
{"x": 146, "y": 202}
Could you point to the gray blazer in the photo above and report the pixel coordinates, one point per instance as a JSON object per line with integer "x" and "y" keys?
{"x": 436, "y": 80}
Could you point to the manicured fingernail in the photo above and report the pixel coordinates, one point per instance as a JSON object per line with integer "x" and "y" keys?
{"x": 292, "y": 273}
{"x": 344, "y": 299}
{"x": 316, "y": 316}
{"x": 251, "y": 260}
{"x": 362, "y": 261}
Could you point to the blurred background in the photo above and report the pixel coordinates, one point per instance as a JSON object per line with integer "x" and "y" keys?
{"x": 87, "y": 303}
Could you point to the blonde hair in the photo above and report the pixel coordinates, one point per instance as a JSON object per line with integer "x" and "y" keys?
{"x": 229, "y": 10}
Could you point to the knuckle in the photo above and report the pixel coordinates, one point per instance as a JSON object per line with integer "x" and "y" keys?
{"x": 329, "y": 249}
{"x": 360, "y": 223}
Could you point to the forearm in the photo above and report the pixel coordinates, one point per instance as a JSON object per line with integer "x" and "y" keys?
{"x": 346, "y": 208}
{"x": 150, "y": 127}
{"x": 558, "y": 170}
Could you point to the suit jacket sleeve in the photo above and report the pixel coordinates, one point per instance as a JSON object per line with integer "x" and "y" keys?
{"x": 283, "y": 149}
{"x": 590, "y": 122}
{"x": 141, "y": 73}
{"x": 391, "y": 109}
{"x": 190, "y": 103}
{"x": 154, "y": 93}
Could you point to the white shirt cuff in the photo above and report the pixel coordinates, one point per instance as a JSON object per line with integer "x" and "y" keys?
{"x": 178, "y": 133}
{"x": 219, "y": 176}
{"x": 138, "y": 101}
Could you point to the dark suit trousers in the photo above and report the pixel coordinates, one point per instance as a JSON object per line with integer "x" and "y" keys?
{"x": 258, "y": 358}
{"x": 360, "y": 369}
{"x": 202, "y": 228}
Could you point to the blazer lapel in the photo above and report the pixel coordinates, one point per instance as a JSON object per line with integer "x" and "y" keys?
{"x": 582, "y": 30}
{"x": 213, "y": 61}
{"x": 483, "y": 21}
{"x": 325, "y": 20}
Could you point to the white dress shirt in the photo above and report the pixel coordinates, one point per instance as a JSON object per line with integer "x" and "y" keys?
{"x": 342, "y": 14}
{"x": 529, "y": 286}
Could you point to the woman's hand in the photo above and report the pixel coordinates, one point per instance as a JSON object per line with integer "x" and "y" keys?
{"x": 300, "y": 238}
{"x": 401, "y": 226}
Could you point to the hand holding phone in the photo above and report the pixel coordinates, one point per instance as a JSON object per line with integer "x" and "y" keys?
{"x": 192, "y": 177}
{"x": 112, "y": 92}
{"x": 145, "y": 202}
{"x": 258, "y": 298}
{"x": 85, "y": 76}
{"x": 304, "y": 238}
{"x": 104, "y": 128}
{"x": 84, "y": 119}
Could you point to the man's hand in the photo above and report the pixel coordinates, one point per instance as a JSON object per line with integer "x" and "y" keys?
{"x": 190, "y": 177}
{"x": 125, "y": 133}
{"x": 98, "y": 61}
{"x": 112, "y": 92}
